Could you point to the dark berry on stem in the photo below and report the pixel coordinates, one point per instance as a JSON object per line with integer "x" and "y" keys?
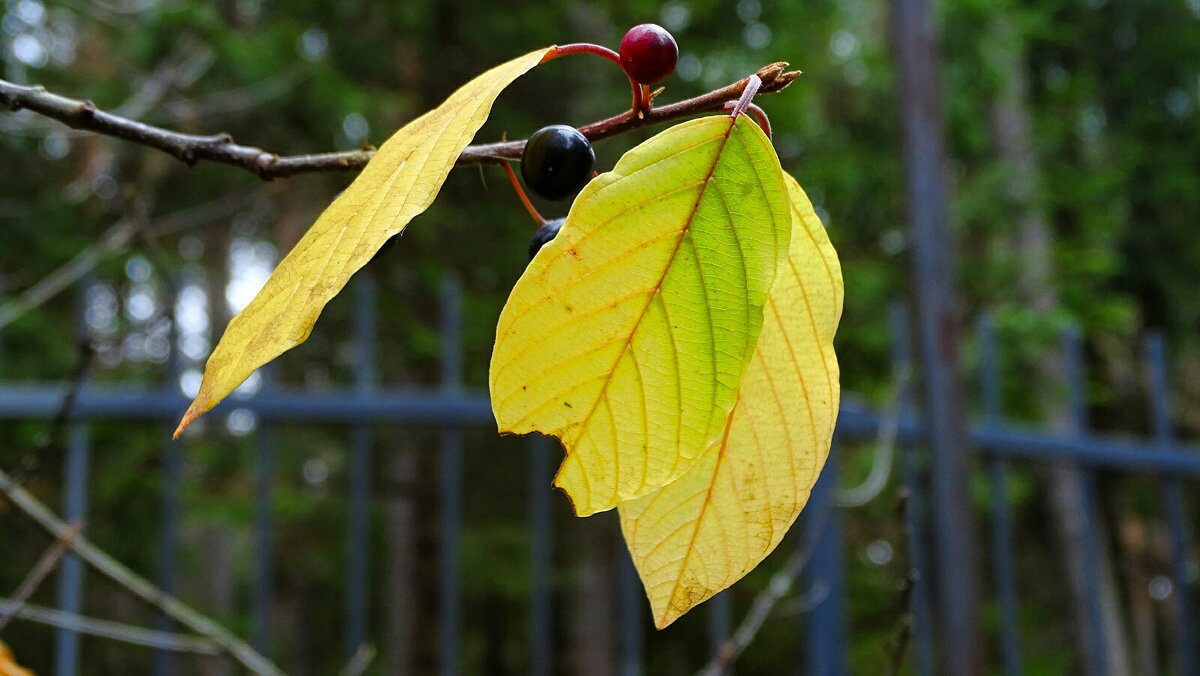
{"x": 544, "y": 234}
{"x": 649, "y": 53}
{"x": 557, "y": 161}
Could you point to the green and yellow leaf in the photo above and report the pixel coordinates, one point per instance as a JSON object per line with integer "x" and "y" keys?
{"x": 399, "y": 183}
{"x": 703, "y": 532}
{"x": 628, "y": 335}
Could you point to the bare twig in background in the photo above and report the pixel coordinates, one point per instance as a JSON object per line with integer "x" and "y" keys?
{"x": 885, "y": 448}
{"x": 360, "y": 661}
{"x": 37, "y": 574}
{"x": 897, "y": 648}
{"x": 114, "y": 241}
{"x": 188, "y": 61}
{"x": 235, "y": 100}
{"x": 192, "y": 148}
{"x": 49, "y": 442}
{"x": 111, "y": 630}
{"x": 135, "y": 584}
{"x": 780, "y": 585}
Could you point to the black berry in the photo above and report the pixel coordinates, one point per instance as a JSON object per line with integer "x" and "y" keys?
{"x": 557, "y": 161}
{"x": 649, "y": 53}
{"x": 544, "y": 234}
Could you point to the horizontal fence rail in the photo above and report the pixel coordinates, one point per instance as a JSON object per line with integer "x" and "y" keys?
{"x": 856, "y": 421}
{"x": 364, "y": 406}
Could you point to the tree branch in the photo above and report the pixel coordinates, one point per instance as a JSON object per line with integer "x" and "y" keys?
{"x": 137, "y": 585}
{"x": 221, "y": 148}
{"x": 111, "y": 630}
{"x": 37, "y": 574}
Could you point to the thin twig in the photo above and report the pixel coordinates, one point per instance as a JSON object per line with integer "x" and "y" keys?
{"x": 49, "y": 444}
{"x": 111, "y": 630}
{"x": 135, "y": 584}
{"x": 360, "y": 661}
{"x": 114, "y": 241}
{"x": 897, "y": 648}
{"x": 221, "y": 148}
{"x": 885, "y": 448}
{"x": 37, "y": 574}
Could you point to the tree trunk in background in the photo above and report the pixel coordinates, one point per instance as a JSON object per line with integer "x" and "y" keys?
{"x": 1134, "y": 542}
{"x": 1012, "y": 128}
{"x": 595, "y": 600}
{"x": 400, "y": 569}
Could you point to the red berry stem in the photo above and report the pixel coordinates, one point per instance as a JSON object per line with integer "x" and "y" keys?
{"x": 512, "y": 178}
{"x": 640, "y": 103}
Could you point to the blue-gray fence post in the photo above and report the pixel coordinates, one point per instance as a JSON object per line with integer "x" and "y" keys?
{"x": 1186, "y": 641}
{"x": 720, "y": 623}
{"x": 541, "y": 473}
{"x": 1002, "y": 540}
{"x": 358, "y": 518}
{"x": 633, "y": 603}
{"x": 262, "y": 594}
{"x": 826, "y": 622}
{"x": 914, "y": 513}
{"x": 168, "y": 544}
{"x": 70, "y": 578}
{"x": 918, "y": 59}
{"x": 1094, "y": 633}
{"x": 450, "y": 476}
{"x": 631, "y": 651}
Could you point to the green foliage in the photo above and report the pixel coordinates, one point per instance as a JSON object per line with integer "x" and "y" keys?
{"x": 1113, "y": 94}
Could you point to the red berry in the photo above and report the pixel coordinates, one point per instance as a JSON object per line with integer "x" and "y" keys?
{"x": 649, "y": 53}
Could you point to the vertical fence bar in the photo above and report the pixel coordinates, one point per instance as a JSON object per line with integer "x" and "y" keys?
{"x": 261, "y": 599}
{"x": 1002, "y": 540}
{"x": 720, "y": 623}
{"x": 358, "y": 517}
{"x": 826, "y": 628}
{"x": 70, "y": 578}
{"x": 75, "y": 499}
{"x": 631, "y": 652}
{"x": 1094, "y": 641}
{"x": 172, "y": 471}
{"x": 540, "y": 630}
{"x": 1173, "y": 504}
{"x": 450, "y": 475}
{"x": 918, "y": 64}
{"x": 914, "y": 513}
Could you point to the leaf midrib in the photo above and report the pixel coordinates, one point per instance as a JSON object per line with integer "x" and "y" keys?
{"x": 654, "y": 293}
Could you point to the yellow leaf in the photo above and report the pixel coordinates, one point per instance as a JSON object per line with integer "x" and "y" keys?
{"x": 8, "y": 663}
{"x": 628, "y": 335}
{"x": 399, "y": 183}
{"x": 703, "y": 532}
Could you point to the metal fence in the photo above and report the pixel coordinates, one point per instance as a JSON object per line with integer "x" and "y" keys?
{"x": 451, "y": 408}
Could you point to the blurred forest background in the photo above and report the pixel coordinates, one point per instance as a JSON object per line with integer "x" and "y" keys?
{"x": 1074, "y": 136}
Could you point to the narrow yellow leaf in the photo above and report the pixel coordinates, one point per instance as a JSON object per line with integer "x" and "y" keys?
{"x": 399, "y": 183}
{"x": 703, "y": 532}
{"x": 628, "y": 335}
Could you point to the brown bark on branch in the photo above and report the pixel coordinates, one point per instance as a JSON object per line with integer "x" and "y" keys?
{"x": 221, "y": 148}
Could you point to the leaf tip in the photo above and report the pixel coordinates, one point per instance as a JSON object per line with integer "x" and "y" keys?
{"x": 194, "y": 411}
